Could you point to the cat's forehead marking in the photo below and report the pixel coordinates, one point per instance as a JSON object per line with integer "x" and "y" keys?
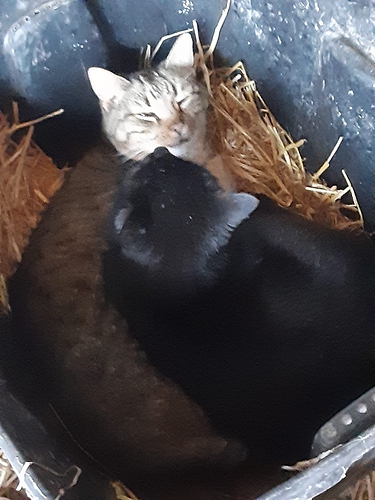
{"x": 155, "y": 89}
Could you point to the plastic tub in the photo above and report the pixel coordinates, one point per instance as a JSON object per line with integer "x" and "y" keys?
{"x": 314, "y": 66}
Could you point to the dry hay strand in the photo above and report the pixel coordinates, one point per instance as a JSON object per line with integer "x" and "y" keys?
{"x": 260, "y": 155}
{"x": 9, "y": 483}
{"x": 363, "y": 489}
{"x": 122, "y": 492}
{"x": 28, "y": 180}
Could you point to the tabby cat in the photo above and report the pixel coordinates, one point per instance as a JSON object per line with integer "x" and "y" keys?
{"x": 161, "y": 107}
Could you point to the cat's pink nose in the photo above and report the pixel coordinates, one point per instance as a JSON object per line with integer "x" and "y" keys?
{"x": 179, "y": 128}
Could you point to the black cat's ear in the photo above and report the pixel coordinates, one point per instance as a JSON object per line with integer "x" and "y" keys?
{"x": 120, "y": 219}
{"x": 243, "y": 204}
{"x": 240, "y": 206}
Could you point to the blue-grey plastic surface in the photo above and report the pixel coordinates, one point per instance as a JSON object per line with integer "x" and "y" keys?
{"x": 333, "y": 475}
{"x": 347, "y": 424}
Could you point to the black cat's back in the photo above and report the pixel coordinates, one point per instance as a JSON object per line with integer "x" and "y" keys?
{"x": 275, "y": 338}
{"x": 314, "y": 290}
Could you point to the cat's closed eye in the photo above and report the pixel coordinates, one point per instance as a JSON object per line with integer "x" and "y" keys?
{"x": 150, "y": 117}
{"x": 165, "y": 107}
{"x": 183, "y": 103}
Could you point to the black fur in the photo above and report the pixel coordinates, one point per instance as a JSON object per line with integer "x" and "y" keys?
{"x": 272, "y": 333}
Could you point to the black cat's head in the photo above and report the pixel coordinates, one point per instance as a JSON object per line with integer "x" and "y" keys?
{"x": 171, "y": 219}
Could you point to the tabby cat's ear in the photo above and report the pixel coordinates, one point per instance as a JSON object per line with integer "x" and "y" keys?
{"x": 181, "y": 53}
{"x": 105, "y": 84}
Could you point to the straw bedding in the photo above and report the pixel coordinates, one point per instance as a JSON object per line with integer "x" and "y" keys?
{"x": 262, "y": 157}
{"x": 28, "y": 180}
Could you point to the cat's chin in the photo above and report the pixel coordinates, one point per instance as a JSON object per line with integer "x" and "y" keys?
{"x": 178, "y": 150}
{"x": 181, "y": 150}
{"x": 187, "y": 153}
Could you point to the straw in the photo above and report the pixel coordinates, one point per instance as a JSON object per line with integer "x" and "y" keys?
{"x": 28, "y": 180}
{"x": 259, "y": 154}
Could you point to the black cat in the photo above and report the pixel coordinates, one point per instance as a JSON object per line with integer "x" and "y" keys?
{"x": 264, "y": 318}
